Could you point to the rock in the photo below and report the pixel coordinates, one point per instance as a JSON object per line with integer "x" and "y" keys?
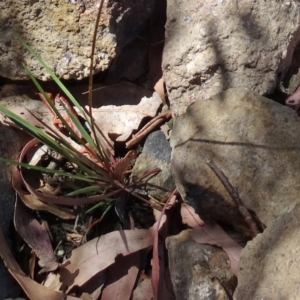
{"x": 269, "y": 264}
{"x": 156, "y": 154}
{"x": 253, "y": 140}
{"x": 123, "y": 93}
{"x": 62, "y": 33}
{"x": 9, "y": 148}
{"x": 131, "y": 64}
{"x": 198, "y": 271}
{"x": 211, "y": 46}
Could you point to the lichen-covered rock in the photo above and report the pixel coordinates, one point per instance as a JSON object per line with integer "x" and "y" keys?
{"x": 61, "y": 33}
{"x": 269, "y": 265}
{"x": 198, "y": 272}
{"x": 211, "y": 46}
{"x": 253, "y": 140}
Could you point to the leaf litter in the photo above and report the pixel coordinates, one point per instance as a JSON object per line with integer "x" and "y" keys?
{"x": 211, "y": 234}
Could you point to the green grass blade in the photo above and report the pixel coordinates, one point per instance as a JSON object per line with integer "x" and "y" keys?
{"x": 53, "y": 76}
{"x": 59, "y": 83}
{"x": 102, "y": 203}
{"x": 80, "y": 128}
{"x": 52, "y": 105}
{"x": 87, "y": 190}
{"x": 82, "y": 177}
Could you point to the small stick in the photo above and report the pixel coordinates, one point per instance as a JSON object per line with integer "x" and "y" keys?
{"x": 149, "y": 127}
{"x": 235, "y": 197}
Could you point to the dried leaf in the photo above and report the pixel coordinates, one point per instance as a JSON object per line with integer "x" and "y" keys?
{"x": 161, "y": 289}
{"x": 124, "y": 164}
{"x": 161, "y": 281}
{"x": 143, "y": 291}
{"x": 121, "y": 121}
{"x": 99, "y": 253}
{"x": 189, "y": 216}
{"x": 211, "y": 234}
{"x": 36, "y": 236}
{"x": 294, "y": 99}
{"x": 121, "y": 277}
{"x": 21, "y": 106}
{"x": 159, "y": 88}
{"x": 32, "y": 289}
{"x": 93, "y": 288}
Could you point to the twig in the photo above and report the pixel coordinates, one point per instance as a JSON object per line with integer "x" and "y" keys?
{"x": 235, "y": 197}
{"x": 149, "y": 127}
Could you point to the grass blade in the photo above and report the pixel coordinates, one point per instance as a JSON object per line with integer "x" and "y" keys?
{"x": 83, "y": 177}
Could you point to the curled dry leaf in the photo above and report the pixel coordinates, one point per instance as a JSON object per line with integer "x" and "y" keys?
{"x": 124, "y": 164}
{"x": 161, "y": 281}
{"x": 32, "y": 289}
{"x": 160, "y": 286}
{"x": 36, "y": 236}
{"x": 211, "y": 234}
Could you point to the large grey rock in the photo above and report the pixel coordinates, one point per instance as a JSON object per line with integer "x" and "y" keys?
{"x": 211, "y": 46}
{"x": 269, "y": 265}
{"x": 253, "y": 140}
{"x": 198, "y": 272}
{"x": 156, "y": 154}
{"x": 62, "y": 34}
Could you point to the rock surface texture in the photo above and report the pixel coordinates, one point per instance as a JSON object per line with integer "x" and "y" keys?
{"x": 205, "y": 272}
{"x": 211, "y": 46}
{"x": 253, "y": 140}
{"x": 269, "y": 265}
{"x": 156, "y": 154}
{"x": 61, "y": 33}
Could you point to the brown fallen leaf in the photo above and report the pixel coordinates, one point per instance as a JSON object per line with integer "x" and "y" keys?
{"x": 161, "y": 289}
{"x": 121, "y": 277}
{"x": 99, "y": 253}
{"x": 93, "y": 288}
{"x": 32, "y": 289}
{"x": 294, "y": 99}
{"x": 21, "y": 106}
{"x": 143, "y": 291}
{"x": 159, "y": 88}
{"x": 123, "y": 165}
{"x": 120, "y": 121}
{"x": 36, "y": 236}
{"x": 211, "y": 234}
{"x": 190, "y": 217}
